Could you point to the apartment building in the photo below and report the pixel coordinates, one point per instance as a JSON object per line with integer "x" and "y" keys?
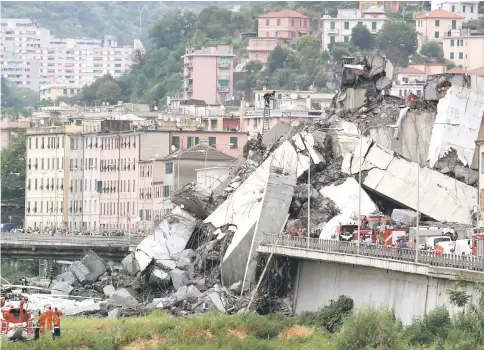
{"x": 467, "y": 9}
{"x": 47, "y": 178}
{"x": 259, "y": 49}
{"x": 409, "y": 80}
{"x": 51, "y": 60}
{"x": 464, "y": 49}
{"x": 151, "y": 200}
{"x": 286, "y": 24}
{"x": 388, "y": 6}
{"x": 208, "y": 74}
{"x": 436, "y": 25}
{"x": 338, "y": 30}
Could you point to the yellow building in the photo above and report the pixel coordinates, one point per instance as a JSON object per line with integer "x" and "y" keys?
{"x": 389, "y": 6}
{"x": 54, "y": 91}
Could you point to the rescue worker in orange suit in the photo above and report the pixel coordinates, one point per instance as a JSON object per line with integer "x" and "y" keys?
{"x": 56, "y": 331}
{"x": 49, "y": 314}
{"x": 58, "y": 312}
{"x": 42, "y": 318}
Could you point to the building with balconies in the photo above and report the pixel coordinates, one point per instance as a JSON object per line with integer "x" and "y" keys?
{"x": 259, "y": 49}
{"x": 388, "y": 6}
{"x": 53, "y": 92}
{"x": 208, "y": 73}
{"x": 464, "y": 47}
{"x": 468, "y": 9}
{"x": 339, "y": 29}
{"x": 151, "y": 200}
{"x": 436, "y": 25}
{"x": 409, "y": 80}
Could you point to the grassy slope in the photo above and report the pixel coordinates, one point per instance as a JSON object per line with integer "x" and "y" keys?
{"x": 161, "y": 331}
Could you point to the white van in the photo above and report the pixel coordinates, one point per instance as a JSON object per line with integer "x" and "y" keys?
{"x": 463, "y": 247}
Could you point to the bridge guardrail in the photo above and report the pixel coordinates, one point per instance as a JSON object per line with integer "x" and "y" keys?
{"x": 82, "y": 240}
{"x": 463, "y": 262}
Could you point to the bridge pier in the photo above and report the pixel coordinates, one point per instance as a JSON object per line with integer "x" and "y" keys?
{"x": 42, "y": 268}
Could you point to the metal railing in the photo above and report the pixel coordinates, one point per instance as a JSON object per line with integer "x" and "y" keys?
{"x": 90, "y": 241}
{"x": 463, "y": 262}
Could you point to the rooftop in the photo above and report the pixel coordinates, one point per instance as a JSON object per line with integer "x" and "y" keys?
{"x": 457, "y": 70}
{"x": 411, "y": 70}
{"x": 284, "y": 13}
{"x": 439, "y": 14}
{"x": 199, "y": 152}
{"x": 477, "y": 71}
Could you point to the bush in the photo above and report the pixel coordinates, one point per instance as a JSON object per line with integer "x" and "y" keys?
{"x": 370, "y": 328}
{"x": 331, "y": 316}
{"x": 433, "y": 326}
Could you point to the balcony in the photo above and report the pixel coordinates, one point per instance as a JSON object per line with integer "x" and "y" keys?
{"x": 188, "y": 89}
{"x": 223, "y": 89}
{"x": 333, "y": 31}
{"x": 223, "y": 81}
{"x": 188, "y": 64}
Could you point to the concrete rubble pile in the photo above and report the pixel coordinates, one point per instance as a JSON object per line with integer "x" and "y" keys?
{"x": 204, "y": 256}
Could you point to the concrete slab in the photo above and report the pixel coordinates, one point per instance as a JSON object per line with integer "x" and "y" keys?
{"x": 276, "y": 201}
{"x": 346, "y": 196}
{"x": 458, "y": 101}
{"x": 441, "y": 197}
{"x": 169, "y": 238}
{"x": 122, "y": 297}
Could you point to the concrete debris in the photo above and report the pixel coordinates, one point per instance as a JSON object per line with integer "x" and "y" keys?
{"x": 466, "y": 175}
{"x": 61, "y": 288}
{"x": 236, "y": 287}
{"x": 89, "y": 268}
{"x": 451, "y": 131}
{"x": 122, "y": 297}
{"x": 84, "y": 307}
{"x": 217, "y": 301}
{"x": 179, "y": 278}
{"x": 437, "y": 85}
{"x": 188, "y": 293}
{"x": 114, "y": 314}
{"x": 67, "y": 276}
{"x": 130, "y": 265}
{"x": 108, "y": 290}
{"x": 158, "y": 277}
{"x": 405, "y": 217}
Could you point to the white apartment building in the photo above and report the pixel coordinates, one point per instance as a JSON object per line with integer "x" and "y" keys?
{"x": 150, "y": 193}
{"x": 464, "y": 49}
{"x": 294, "y": 99}
{"x": 467, "y": 9}
{"x": 338, "y": 30}
{"x": 46, "y": 179}
{"x": 70, "y": 61}
{"x": 409, "y": 80}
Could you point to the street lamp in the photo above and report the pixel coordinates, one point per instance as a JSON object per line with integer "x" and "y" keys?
{"x": 418, "y": 183}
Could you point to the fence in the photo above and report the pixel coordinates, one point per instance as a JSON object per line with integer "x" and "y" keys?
{"x": 463, "y": 262}
{"x": 33, "y": 239}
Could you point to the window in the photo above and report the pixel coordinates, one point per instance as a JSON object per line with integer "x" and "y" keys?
{"x": 175, "y": 141}
{"x": 347, "y": 25}
{"x": 463, "y": 9}
{"x": 193, "y": 140}
{"x": 472, "y": 9}
{"x": 331, "y": 39}
{"x": 451, "y": 55}
{"x": 454, "y": 24}
{"x": 461, "y": 55}
{"x": 292, "y": 22}
{"x": 234, "y": 141}
{"x": 212, "y": 141}
{"x": 346, "y": 39}
{"x": 30, "y": 143}
{"x": 99, "y": 186}
{"x": 267, "y": 22}
{"x": 278, "y": 22}
{"x": 166, "y": 191}
{"x": 436, "y": 35}
{"x": 451, "y": 42}
{"x": 42, "y": 163}
{"x": 169, "y": 168}
{"x": 437, "y": 22}
{"x": 482, "y": 163}
{"x": 36, "y": 143}
{"x": 453, "y": 8}
{"x": 373, "y": 25}
{"x": 332, "y": 25}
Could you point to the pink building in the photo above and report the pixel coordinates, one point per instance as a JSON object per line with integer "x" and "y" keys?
{"x": 208, "y": 74}
{"x": 228, "y": 142}
{"x": 259, "y": 49}
{"x": 119, "y": 187}
{"x": 286, "y": 24}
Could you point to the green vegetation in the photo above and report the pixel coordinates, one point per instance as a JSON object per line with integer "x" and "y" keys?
{"x": 12, "y": 271}
{"x": 398, "y": 40}
{"x": 13, "y": 170}
{"x": 16, "y": 100}
{"x": 334, "y": 327}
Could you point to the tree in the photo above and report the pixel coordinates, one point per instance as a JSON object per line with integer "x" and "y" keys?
{"x": 175, "y": 28}
{"x": 277, "y": 58}
{"x": 321, "y": 80}
{"x": 254, "y": 66}
{"x": 338, "y": 51}
{"x": 433, "y": 49}
{"x": 309, "y": 49}
{"x": 361, "y": 37}
{"x": 13, "y": 170}
{"x": 109, "y": 91}
{"x": 398, "y": 40}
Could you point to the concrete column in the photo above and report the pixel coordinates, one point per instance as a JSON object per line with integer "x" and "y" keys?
{"x": 42, "y": 268}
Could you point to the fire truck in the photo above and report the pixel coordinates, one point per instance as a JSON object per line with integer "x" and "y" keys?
{"x": 478, "y": 245}
{"x": 379, "y": 228}
{"x": 16, "y": 320}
